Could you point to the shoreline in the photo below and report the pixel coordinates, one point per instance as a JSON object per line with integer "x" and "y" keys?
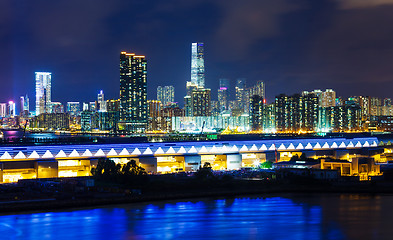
{"x": 45, "y": 205}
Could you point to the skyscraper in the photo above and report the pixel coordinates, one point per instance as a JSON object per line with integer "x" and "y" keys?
{"x": 43, "y": 92}
{"x": 197, "y": 65}
{"x": 133, "y": 92}
{"x": 166, "y": 94}
{"x": 101, "y": 102}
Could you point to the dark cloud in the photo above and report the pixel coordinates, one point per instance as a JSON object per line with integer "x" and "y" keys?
{"x": 245, "y": 23}
{"x": 357, "y": 50}
{"x": 292, "y": 45}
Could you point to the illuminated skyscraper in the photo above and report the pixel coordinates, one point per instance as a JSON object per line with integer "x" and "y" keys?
{"x": 101, "y": 102}
{"x": 43, "y": 92}
{"x": 166, "y": 95}
{"x": 133, "y": 92}
{"x": 223, "y": 95}
{"x": 197, "y": 65}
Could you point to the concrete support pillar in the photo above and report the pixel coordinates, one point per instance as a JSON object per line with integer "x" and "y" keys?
{"x": 149, "y": 164}
{"x": 234, "y": 161}
{"x": 192, "y": 162}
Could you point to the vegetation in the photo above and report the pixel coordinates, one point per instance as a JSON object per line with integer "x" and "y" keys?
{"x": 110, "y": 171}
{"x": 302, "y": 157}
{"x": 205, "y": 172}
{"x": 266, "y": 165}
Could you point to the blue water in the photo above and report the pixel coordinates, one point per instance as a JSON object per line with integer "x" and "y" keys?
{"x": 283, "y": 217}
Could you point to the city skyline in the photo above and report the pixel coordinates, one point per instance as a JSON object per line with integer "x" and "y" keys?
{"x": 289, "y": 46}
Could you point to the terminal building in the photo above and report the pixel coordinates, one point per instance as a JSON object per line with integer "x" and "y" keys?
{"x": 30, "y": 162}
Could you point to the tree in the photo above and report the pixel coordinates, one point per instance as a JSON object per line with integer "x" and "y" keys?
{"x": 205, "y": 172}
{"x": 132, "y": 169}
{"x": 106, "y": 169}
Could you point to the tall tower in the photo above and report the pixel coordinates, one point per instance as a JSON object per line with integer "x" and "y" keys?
{"x": 43, "y": 92}
{"x": 197, "y": 65}
{"x": 133, "y": 92}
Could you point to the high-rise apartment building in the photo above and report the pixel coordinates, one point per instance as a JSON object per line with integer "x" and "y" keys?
{"x": 256, "y": 112}
{"x": 197, "y": 65}
{"x": 296, "y": 113}
{"x": 166, "y": 95}
{"x": 133, "y": 92}
{"x": 200, "y": 100}
{"x": 327, "y": 98}
{"x": 43, "y": 92}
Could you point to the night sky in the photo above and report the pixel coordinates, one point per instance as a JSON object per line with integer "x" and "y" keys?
{"x": 292, "y": 45}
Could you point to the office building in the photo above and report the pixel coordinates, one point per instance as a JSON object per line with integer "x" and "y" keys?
{"x": 133, "y": 92}
{"x": 43, "y": 92}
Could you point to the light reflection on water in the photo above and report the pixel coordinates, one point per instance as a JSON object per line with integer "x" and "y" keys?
{"x": 285, "y": 217}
